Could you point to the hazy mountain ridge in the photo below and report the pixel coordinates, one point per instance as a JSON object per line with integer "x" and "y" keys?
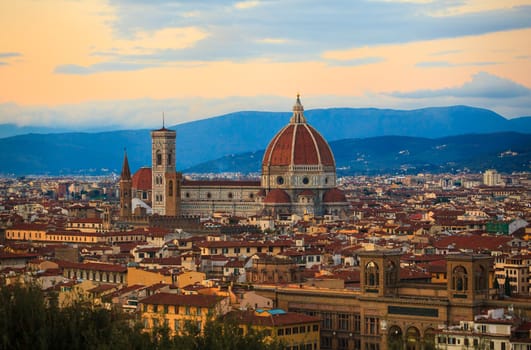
{"x": 508, "y": 152}
{"x": 248, "y": 131}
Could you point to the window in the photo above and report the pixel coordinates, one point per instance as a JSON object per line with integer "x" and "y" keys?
{"x": 371, "y": 325}
{"x": 187, "y": 310}
{"x": 326, "y": 318}
{"x": 280, "y": 332}
{"x": 357, "y": 323}
{"x": 155, "y": 308}
{"x": 326, "y": 342}
{"x": 343, "y": 343}
{"x": 176, "y": 325}
{"x": 159, "y": 158}
{"x": 343, "y": 320}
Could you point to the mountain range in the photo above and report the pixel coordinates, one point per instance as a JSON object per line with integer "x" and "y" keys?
{"x": 248, "y": 132}
{"x": 505, "y": 151}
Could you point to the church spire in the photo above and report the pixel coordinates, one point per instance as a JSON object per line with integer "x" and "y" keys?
{"x": 126, "y": 173}
{"x": 298, "y": 112}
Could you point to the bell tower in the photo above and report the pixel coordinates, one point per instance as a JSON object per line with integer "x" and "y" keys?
{"x": 165, "y": 180}
{"x": 379, "y": 272}
{"x": 125, "y": 189}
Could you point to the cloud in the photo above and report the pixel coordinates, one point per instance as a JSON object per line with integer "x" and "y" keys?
{"x": 10, "y": 54}
{"x": 482, "y": 85}
{"x": 356, "y": 61}
{"x": 99, "y": 68}
{"x": 236, "y": 29}
{"x": 429, "y": 64}
{"x": 484, "y": 90}
{"x": 242, "y": 5}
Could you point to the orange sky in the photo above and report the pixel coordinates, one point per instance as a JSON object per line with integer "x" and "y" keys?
{"x": 61, "y": 59}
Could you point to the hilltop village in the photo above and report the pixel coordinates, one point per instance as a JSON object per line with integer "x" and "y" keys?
{"x": 389, "y": 262}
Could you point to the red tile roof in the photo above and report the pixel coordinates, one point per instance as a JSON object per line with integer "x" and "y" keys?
{"x": 277, "y": 196}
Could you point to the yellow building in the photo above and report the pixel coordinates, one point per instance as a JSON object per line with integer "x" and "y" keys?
{"x": 148, "y": 277}
{"x": 293, "y": 330}
{"x": 176, "y": 311}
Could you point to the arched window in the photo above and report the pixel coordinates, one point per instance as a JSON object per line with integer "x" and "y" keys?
{"x": 460, "y": 279}
{"x": 412, "y": 339}
{"x": 159, "y": 158}
{"x": 371, "y": 274}
{"x": 481, "y": 278}
{"x": 170, "y": 188}
{"x": 429, "y": 339}
{"x": 169, "y": 158}
{"x": 394, "y": 338}
{"x": 390, "y": 273}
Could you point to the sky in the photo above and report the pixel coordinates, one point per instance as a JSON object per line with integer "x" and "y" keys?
{"x": 123, "y": 63}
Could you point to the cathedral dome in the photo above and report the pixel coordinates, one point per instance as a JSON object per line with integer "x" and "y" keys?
{"x": 334, "y": 195}
{"x": 142, "y": 179}
{"x": 277, "y": 196}
{"x": 298, "y": 144}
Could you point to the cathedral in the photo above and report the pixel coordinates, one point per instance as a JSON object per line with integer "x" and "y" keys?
{"x": 298, "y": 177}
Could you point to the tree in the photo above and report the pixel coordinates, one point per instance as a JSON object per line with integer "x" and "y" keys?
{"x": 32, "y": 319}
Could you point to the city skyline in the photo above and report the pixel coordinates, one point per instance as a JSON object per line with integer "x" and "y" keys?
{"x": 123, "y": 63}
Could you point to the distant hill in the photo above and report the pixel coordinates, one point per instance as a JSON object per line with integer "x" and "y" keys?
{"x": 208, "y": 139}
{"x": 506, "y": 152}
{"x": 8, "y": 130}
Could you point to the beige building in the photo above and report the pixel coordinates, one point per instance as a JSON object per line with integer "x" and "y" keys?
{"x": 491, "y": 178}
{"x": 180, "y": 311}
{"x": 384, "y": 309}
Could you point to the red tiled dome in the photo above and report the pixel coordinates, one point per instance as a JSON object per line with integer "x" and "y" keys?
{"x": 307, "y": 193}
{"x": 298, "y": 144}
{"x": 277, "y": 196}
{"x": 334, "y": 195}
{"x": 142, "y": 179}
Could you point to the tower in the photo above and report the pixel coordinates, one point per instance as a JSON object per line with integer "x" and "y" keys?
{"x": 469, "y": 282}
{"x": 125, "y": 189}
{"x": 166, "y": 192}
{"x": 379, "y": 272}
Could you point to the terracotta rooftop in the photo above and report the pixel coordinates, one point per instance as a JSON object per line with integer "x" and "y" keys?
{"x": 277, "y": 196}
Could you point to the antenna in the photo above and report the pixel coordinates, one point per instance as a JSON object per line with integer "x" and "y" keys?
{"x": 163, "y": 120}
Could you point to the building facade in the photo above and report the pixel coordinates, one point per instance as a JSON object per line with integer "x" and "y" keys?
{"x": 386, "y": 310}
{"x": 298, "y": 177}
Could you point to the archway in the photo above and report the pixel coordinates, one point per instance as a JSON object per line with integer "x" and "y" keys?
{"x": 429, "y": 339}
{"x": 412, "y": 339}
{"x": 395, "y": 338}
